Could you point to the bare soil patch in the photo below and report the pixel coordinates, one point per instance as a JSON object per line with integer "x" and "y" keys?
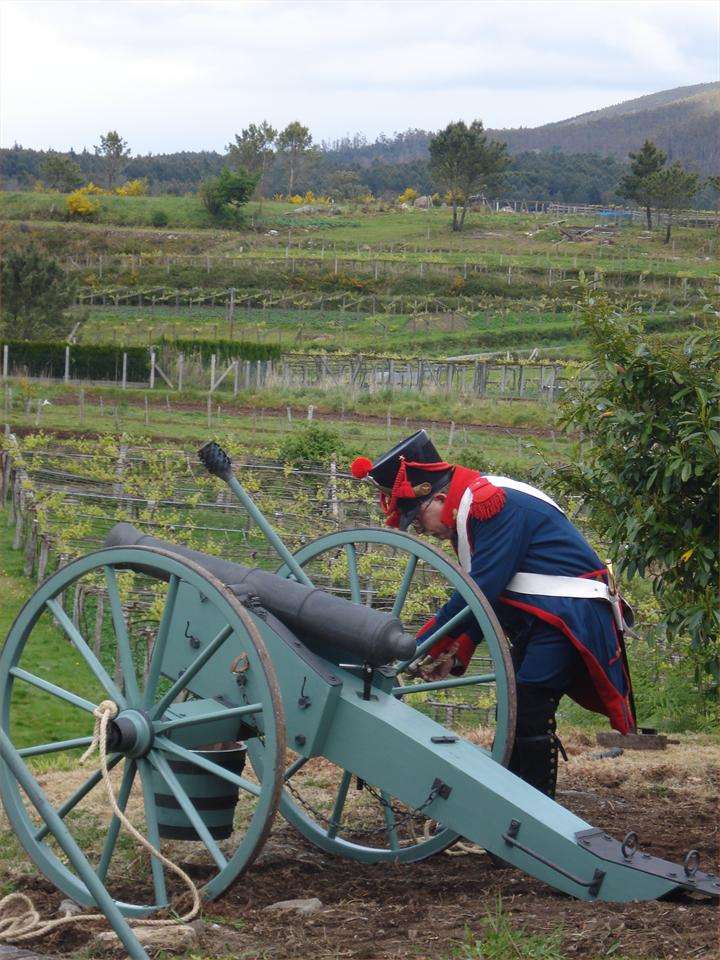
{"x": 420, "y": 911}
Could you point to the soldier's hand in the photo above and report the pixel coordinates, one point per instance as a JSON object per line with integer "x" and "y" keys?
{"x": 438, "y": 668}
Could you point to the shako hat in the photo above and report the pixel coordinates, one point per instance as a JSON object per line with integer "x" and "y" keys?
{"x": 407, "y": 475}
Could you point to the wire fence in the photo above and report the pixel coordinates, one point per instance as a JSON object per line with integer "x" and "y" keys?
{"x": 168, "y": 368}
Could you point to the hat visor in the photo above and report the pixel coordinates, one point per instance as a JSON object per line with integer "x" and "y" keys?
{"x": 408, "y": 516}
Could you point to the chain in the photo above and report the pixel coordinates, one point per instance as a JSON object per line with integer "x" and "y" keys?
{"x": 401, "y": 817}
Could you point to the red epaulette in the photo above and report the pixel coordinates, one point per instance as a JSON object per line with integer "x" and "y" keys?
{"x": 488, "y": 500}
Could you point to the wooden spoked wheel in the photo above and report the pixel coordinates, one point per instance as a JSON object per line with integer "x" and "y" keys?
{"x": 399, "y": 573}
{"x": 183, "y": 662}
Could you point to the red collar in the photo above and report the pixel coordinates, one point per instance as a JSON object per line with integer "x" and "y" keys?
{"x": 487, "y": 499}
{"x": 461, "y": 479}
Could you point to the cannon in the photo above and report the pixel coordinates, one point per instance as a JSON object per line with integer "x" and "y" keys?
{"x": 241, "y": 692}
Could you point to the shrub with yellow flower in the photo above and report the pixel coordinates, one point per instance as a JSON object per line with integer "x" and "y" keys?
{"x": 80, "y": 205}
{"x": 134, "y": 188}
{"x": 408, "y": 195}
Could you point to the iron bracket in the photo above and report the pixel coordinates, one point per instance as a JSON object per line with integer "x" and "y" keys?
{"x": 629, "y": 855}
{"x": 593, "y": 884}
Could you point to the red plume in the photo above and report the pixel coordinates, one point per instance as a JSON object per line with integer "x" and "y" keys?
{"x": 360, "y": 467}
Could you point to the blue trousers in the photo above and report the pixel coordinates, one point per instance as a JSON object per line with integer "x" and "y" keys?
{"x": 545, "y": 657}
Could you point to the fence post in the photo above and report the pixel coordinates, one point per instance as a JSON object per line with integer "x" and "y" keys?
{"x": 212, "y": 372}
{"x": 6, "y": 358}
{"x": 236, "y": 377}
{"x": 124, "y": 371}
{"x": 66, "y": 377}
{"x": 180, "y": 366}
{"x": 152, "y": 369}
{"x": 231, "y": 312}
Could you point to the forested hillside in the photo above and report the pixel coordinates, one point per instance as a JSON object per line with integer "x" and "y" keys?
{"x": 684, "y": 122}
{"x": 579, "y": 160}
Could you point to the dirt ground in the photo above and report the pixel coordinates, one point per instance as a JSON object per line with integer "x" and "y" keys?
{"x": 420, "y": 911}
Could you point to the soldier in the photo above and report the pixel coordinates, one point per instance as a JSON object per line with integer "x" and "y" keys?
{"x": 554, "y": 598}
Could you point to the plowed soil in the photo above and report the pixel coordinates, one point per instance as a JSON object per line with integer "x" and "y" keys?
{"x": 423, "y": 910}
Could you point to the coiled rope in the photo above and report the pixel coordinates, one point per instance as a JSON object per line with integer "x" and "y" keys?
{"x": 20, "y": 919}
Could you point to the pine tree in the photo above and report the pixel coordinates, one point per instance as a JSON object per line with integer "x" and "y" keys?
{"x": 672, "y": 189}
{"x": 254, "y": 150}
{"x": 60, "y": 172}
{"x": 463, "y": 162}
{"x": 633, "y": 186}
{"x": 115, "y": 151}
{"x": 294, "y": 142}
{"x": 35, "y": 295}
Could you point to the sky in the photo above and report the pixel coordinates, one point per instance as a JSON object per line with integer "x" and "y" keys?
{"x": 189, "y": 75}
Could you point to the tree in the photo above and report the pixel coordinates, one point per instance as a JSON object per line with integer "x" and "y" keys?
{"x": 672, "y": 189}
{"x": 114, "y": 151}
{"x": 35, "y": 295}
{"x": 648, "y": 469}
{"x": 224, "y": 195}
{"x": 347, "y": 185}
{"x": 463, "y": 162}
{"x": 633, "y": 186}
{"x": 253, "y": 150}
{"x": 293, "y": 143}
{"x": 60, "y": 172}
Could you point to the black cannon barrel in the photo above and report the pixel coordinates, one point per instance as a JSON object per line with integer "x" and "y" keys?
{"x": 373, "y": 636}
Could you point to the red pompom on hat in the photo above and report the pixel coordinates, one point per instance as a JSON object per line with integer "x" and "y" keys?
{"x": 361, "y": 467}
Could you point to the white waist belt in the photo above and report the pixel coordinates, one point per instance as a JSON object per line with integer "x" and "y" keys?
{"x": 546, "y": 585}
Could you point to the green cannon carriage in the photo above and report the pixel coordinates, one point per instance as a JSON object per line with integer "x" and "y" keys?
{"x": 239, "y": 692}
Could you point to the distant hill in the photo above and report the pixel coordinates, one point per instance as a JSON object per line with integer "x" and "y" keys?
{"x": 684, "y": 122}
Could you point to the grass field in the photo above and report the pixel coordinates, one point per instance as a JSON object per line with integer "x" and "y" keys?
{"x": 510, "y": 437}
{"x": 491, "y": 332}
{"x": 371, "y": 279}
{"x": 360, "y": 231}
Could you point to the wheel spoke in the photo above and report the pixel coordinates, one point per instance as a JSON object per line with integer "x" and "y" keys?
{"x": 80, "y": 794}
{"x": 443, "y": 684}
{"x": 153, "y": 833}
{"x": 158, "y": 651}
{"x": 404, "y": 586}
{"x": 186, "y": 676}
{"x": 294, "y": 767}
{"x": 162, "y": 743}
{"x": 122, "y": 638}
{"x": 55, "y": 746}
{"x": 427, "y": 643}
{"x": 162, "y": 726}
{"x": 336, "y": 817}
{"x": 114, "y": 828}
{"x": 353, "y": 572}
{"x": 389, "y": 820}
{"x": 186, "y": 804}
{"x": 99, "y": 671}
{"x": 52, "y": 688}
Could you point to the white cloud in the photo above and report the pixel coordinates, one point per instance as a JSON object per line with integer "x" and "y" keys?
{"x": 173, "y": 75}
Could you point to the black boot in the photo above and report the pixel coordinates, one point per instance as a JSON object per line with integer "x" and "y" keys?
{"x": 535, "y": 755}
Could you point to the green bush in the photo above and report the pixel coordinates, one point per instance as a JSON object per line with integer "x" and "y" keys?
{"x": 159, "y": 218}
{"x": 313, "y": 443}
{"x": 648, "y": 468}
{"x": 87, "y": 361}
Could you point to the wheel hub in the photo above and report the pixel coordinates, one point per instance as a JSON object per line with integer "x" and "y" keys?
{"x": 131, "y": 733}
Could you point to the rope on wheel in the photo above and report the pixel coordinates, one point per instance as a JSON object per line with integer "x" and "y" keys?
{"x": 27, "y": 924}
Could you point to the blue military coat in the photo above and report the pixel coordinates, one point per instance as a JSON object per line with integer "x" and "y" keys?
{"x": 567, "y": 643}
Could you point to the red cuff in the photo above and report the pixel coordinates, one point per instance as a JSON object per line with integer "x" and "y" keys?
{"x": 425, "y": 627}
{"x": 463, "y": 653}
